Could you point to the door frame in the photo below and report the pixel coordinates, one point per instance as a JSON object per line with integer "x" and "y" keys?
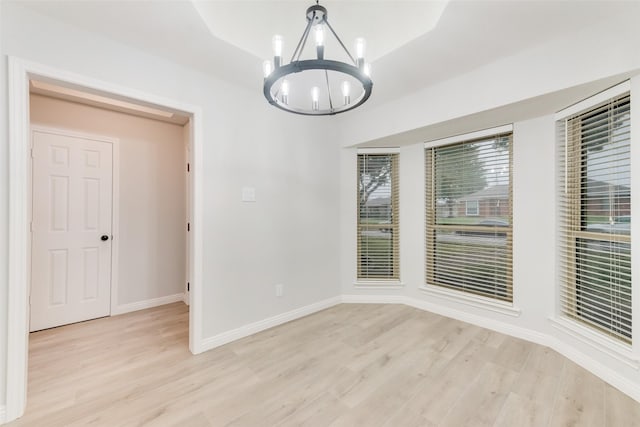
{"x": 115, "y": 199}
{"x": 20, "y": 71}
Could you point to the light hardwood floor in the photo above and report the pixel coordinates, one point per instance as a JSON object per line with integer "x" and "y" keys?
{"x": 350, "y": 365}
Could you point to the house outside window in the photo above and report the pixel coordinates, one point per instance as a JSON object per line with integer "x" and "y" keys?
{"x": 469, "y": 215}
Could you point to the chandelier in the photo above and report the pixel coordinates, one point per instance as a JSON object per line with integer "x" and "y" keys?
{"x": 317, "y": 87}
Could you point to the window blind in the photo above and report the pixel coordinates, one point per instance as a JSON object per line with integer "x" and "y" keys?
{"x": 595, "y": 217}
{"x": 378, "y": 217}
{"x": 469, "y": 216}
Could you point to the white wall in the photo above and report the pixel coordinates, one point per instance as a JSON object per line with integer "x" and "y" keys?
{"x": 534, "y": 224}
{"x": 543, "y": 69}
{"x": 289, "y": 236}
{"x": 152, "y": 200}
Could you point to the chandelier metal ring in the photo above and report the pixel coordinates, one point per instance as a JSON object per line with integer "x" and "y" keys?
{"x": 317, "y": 64}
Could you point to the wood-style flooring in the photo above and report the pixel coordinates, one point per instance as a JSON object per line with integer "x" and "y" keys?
{"x": 350, "y": 365}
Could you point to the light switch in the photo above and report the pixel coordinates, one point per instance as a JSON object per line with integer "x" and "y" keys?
{"x": 248, "y": 194}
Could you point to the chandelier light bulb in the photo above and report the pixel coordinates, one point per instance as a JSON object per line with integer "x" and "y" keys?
{"x": 361, "y": 46}
{"x": 277, "y": 45}
{"x": 367, "y": 69}
{"x": 320, "y": 41}
{"x": 319, "y": 35}
{"x": 346, "y": 91}
{"x": 277, "y": 50}
{"x": 284, "y": 89}
{"x": 346, "y": 88}
{"x": 315, "y": 98}
{"x": 267, "y": 68}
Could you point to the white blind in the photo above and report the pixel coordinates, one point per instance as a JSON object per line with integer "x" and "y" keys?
{"x": 378, "y": 225}
{"x": 595, "y": 217}
{"x": 469, "y": 219}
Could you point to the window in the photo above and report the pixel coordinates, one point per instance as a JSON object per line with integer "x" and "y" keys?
{"x": 468, "y": 221}
{"x": 472, "y": 208}
{"x": 378, "y": 225}
{"x": 595, "y": 217}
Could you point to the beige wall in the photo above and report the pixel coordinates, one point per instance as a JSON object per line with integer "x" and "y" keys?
{"x": 152, "y": 193}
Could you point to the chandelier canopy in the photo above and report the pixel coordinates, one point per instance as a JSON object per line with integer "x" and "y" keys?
{"x": 319, "y": 86}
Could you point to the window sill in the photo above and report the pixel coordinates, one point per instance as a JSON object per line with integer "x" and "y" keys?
{"x": 609, "y": 346}
{"x": 378, "y": 284}
{"x": 472, "y": 300}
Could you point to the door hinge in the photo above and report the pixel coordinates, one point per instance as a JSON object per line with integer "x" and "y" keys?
{"x": 188, "y": 226}
{"x": 188, "y": 167}
{"x": 32, "y": 153}
{"x": 188, "y": 286}
{"x": 31, "y": 226}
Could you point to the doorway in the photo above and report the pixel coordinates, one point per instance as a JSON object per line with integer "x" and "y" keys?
{"x": 20, "y": 73}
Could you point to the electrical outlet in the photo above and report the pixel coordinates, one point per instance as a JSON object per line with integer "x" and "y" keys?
{"x": 279, "y": 289}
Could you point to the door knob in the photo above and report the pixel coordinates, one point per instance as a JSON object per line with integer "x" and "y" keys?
{"x": 104, "y": 237}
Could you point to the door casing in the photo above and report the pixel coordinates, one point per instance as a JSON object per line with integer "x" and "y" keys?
{"x": 20, "y": 71}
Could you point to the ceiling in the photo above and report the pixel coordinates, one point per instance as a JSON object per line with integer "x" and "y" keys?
{"x": 234, "y": 22}
{"x": 408, "y": 54}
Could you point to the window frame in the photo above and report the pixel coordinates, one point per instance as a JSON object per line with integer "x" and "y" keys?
{"x": 459, "y": 294}
{"x": 572, "y": 228}
{"x": 477, "y": 208}
{"x": 363, "y": 280}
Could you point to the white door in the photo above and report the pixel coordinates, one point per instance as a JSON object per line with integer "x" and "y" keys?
{"x": 71, "y": 232}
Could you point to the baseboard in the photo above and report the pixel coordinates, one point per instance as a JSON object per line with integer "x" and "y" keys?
{"x": 252, "y": 328}
{"x": 598, "y": 369}
{"x": 373, "y": 299}
{"x": 484, "y": 322}
{"x": 141, "y": 305}
{"x": 580, "y": 358}
{"x": 583, "y": 359}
